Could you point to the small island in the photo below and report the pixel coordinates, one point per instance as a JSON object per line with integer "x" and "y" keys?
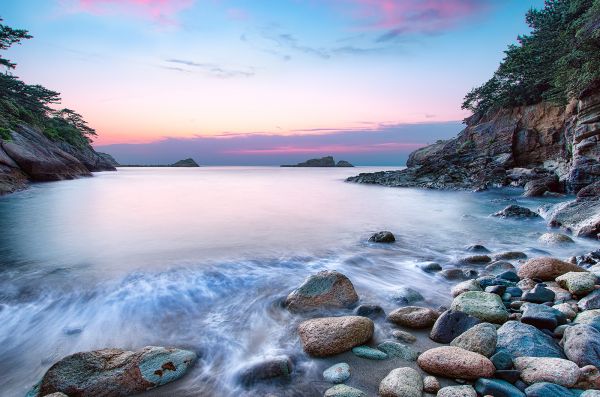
{"x": 189, "y": 163}
{"x": 327, "y": 161}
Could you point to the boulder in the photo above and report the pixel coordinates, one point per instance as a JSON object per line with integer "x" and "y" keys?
{"x": 539, "y": 294}
{"x": 413, "y": 317}
{"x": 546, "y": 268}
{"x": 555, "y": 239}
{"x": 578, "y": 283}
{"x": 328, "y": 336}
{"x": 516, "y": 211}
{"x": 480, "y": 339}
{"x": 114, "y": 372}
{"x": 496, "y": 387}
{"x": 326, "y": 289}
{"x": 483, "y": 305}
{"x": 382, "y": 237}
{"x": 272, "y": 368}
{"x": 451, "y": 324}
{"x": 468, "y": 285}
{"x": 587, "y": 317}
{"x": 398, "y": 350}
{"x": 454, "y": 362}
{"x": 581, "y": 344}
{"x": 344, "y": 391}
{"x": 581, "y": 217}
{"x": 537, "y": 187}
{"x": 542, "y": 316}
{"x": 338, "y": 373}
{"x": 406, "y": 296}
{"x": 545, "y": 389}
{"x": 548, "y": 369}
{"x": 457, "y": 391}
{"x": 520, "y": 340}
{"x": 590, "y": 301}
{"x": 401, "y": 382}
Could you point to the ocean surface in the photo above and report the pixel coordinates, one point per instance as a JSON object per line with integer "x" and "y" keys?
{"x": 201, "y": 258}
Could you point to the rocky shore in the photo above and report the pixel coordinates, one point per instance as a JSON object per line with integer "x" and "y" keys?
{"x": 29, "y": 156}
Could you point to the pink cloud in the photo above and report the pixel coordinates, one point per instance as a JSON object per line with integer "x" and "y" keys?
{"x": 333, "y": 149}
{"x": 160, "y": 11}
{"x": 413, "y": 16}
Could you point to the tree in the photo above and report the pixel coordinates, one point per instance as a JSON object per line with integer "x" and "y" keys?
{"x": 8, "y": 37}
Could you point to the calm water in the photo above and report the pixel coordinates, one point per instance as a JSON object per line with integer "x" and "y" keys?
{"x": 201, "y": 258}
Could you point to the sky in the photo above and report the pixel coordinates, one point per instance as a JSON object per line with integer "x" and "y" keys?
{"x": 259, "y": 82}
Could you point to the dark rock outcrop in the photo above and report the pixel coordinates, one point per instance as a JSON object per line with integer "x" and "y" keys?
{"x": 189, "y": 162}
{"x": 30, "y": 156}
{"x": 327, "y": 161}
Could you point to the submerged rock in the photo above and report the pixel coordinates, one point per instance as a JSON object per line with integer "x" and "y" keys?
{"x": 516, "y": 211}
{"x": 273, "y": 368}
{"x": 555, "y": 239}
{"x": 510, "y": 256}
{"x": 338, "y": 373}
{"x": 369, "y": 353}
{"x": 398, "y": 350}
{"x": 328, "y": 336}
{"x": 401, "y": 382}
{"x": 326, "y": 289}
{"x": 370, "y": 311}
{"x": 404, "y": 336}
{"x": 455, "y": 362}
{"x": 114, "y": 372}
{"x": 406, "y": 296}
{"x": 382, "y": 237}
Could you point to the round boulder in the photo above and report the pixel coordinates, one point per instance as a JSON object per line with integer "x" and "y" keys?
{"x": 483, "y": 305}
{"x": 582, "y": 345}
{"x": 326, "y": 289}
{"x": 546, "y": 268}
{"x": 547, "y": 369}
{"x": 328, "y": 336}
{"x": 401, "y": 382}
{"x": 480, "y": 339}
{"x": 457, "y": 391}
{"x": 577, "y": 283}
{"x": 382, "y": 237}
{"x": 555, "y": 239}
{"x": 413, "y": 317}
{"x": 338, "y": 373}
{"x": 455, "y": 362}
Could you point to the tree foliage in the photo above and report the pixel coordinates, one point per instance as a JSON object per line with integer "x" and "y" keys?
{"x": 35, "y": 104}
{"x": 555, "y": 62}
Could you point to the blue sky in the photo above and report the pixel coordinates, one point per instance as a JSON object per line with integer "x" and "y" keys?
{"x": 354, "y": 75}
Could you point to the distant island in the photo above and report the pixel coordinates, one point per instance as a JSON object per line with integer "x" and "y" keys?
{"x": 322, "y": 162}
{"x": 189, "y": 162}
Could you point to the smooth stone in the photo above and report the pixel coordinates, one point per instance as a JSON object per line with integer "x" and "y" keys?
{"x": 456, "y": 274}
{"x": 502, "y": 360}
{"x": 560, "y": 294}
{"x": 581, "y": 344}
{"x": 455, "y": 362}
{"x": 457, "y": 391}
{"x": 509, "y": 375}
{"x": 431, "y": 384}
{"x": 578, "y": 283}
{"x": 324, "y": 290}
{"x": 475, "y": 259}
{"x": 338, "y": 373}
{"x": 465, "y": 286}
{"x": 542, "y": 316}
{"x": 548, "y": 369}
{"x": 539, "y": 294}
{"x": 451, "y": 324}
{"x": 545, "y": 389}
{"x": 496, "y": 289}
{"x": 344, "y": 391}
{"x": 401, "y": 382}
{"x": 510, "y": 256}
{"x": 382, "y": 237}
{"x": 369, "y": 353}
{"x": 328, "y": 336}
{"x": 520, "y": 339}
{"x": 509, "y": 275}
{"x": 555, "y": 239}
{"x": 499, "y": 267}
{"x": 488, "y": 281}
{"x": 398, "y": 350}
{"x": 497, "y": 388}
{"x": 430, "y": 267}
{"x": 516, "y": 211}
{"x": 477, "y": 248}
{"x": 480, "y": 339}
{"x": 485, "y": 306}
{"x": 413, "y": 317}
{"x": 115, "y": 372}
{"x": 370, "y": 311}
{"x": 404, "y": 336}
{"x": 272, "y": 368}
{"x": 406, "y": 296}
{"x": 546, "y": 268}
{"x": 590, "y": 301}
{"x": 514, "y": 291}
{"x": 587, "y": 316}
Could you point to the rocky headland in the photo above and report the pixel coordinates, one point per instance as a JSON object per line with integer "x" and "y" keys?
{"x": 327, "y": 161}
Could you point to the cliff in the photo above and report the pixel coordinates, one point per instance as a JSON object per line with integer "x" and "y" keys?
{"x": 30, "y": 156}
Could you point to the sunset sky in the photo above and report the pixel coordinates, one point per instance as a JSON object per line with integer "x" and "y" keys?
{"x": 256, "y": 80}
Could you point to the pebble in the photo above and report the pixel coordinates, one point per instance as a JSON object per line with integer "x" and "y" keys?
{"x": 502, "y": 360}
{"x": 509, "y": 275}
{"x": 369, "y": 353}
{"x": 338, "y": 373}
{"x": 457, "y": 391}
{"x": 404, "y": 336}
{"x": 370, "y": 311}
{"x": 431, "y": 384}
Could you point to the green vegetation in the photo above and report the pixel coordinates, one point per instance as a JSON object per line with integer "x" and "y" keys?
{"x": 33, "y": 104}
{"x": 555, "y": 62}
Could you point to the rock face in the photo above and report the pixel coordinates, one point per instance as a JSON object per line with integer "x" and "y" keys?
{"x": 556, "y": 146}
{"x": 31, "y": 156}
{"x": 581, "y": 216}
{"x": 324, "y": 290}
{"x": 322, "y": 162}
{"x": 189, "y": 162}
{"x": 546, "y": 268}
{"x": 454, "y": 362}
{"x": 114, "y": 372}
{"x": 328, "y": 336}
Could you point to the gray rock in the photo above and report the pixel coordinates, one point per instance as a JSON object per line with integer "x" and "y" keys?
{"x": 328, "y": 336}
{"x": 401, "y": 382}
{"x": 404, "y": 336}
{"x": 502, "y": 360}
{"x": 468, "y": 285}
{"x": 539, "y": 294}
{"x": 344, "y": 391}
{"x": 451, "y": 324}
{"x": 406, "y": 296}
{"x": 457, "y": 391}
{"x": 542, "y": 316}
{"x": 398, "y": 350}
{"x": 272, "y": 368}
{"x": 114, "y": 372}
{"x": 516, "y": 211}
{"x": 431, "y": 385}
{"x": 510, "y": 256}
{"x": 485, "y": 306}
{"x": 582, "y": 345}
{"x": 555, "y": 239}
{"x": 520, "y": 340}
{"x": 480, "y": 339}
{"x": 430, "y": 267}
{"x": 382, "y": 237}
{"x": 475, "y": 260}
{"x": 548, "y": 369}
{"x": 578, "y": 283}
{"x": 370, "y": 311}
{"x": 590, "y": 301}
{"x": 545, "y": 389}
{"x": 413, "y": 317}
{"x": 338, "y": 373}
{"x": 326, "y": 289}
